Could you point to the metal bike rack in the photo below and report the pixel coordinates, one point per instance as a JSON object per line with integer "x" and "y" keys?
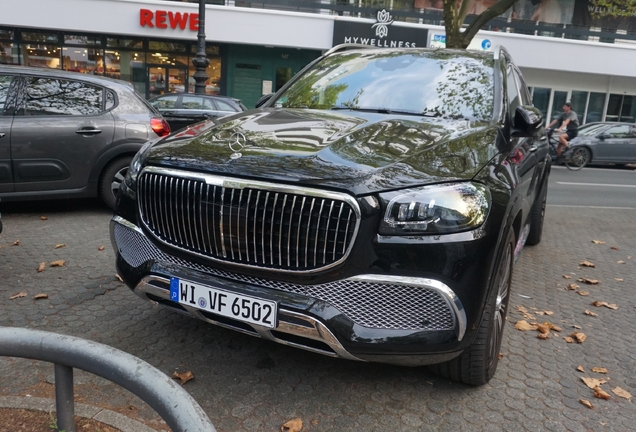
{"x": 175, "y": 405}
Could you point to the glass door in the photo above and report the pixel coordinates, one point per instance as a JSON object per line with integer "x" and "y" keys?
{"x": 162, "y": 79}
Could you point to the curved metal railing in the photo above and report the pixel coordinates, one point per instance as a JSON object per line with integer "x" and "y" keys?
{"x": 175, "y": 405}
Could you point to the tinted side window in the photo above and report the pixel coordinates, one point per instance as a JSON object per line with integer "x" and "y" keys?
{"x": 111, "y": 100}
{"x": 48, "y": 96}
{"x": 5, "y": 82}
{"x": 167, "y": 102}
{"x": 513, "y": 93}
{"x": 195, "y": 102}
{"x": 524, "y": 93}
{"x": 224, "y": 106}
{"x": 618, "y": 131}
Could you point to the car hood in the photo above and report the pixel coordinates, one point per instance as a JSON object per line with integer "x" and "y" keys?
{"x": 358, "y": 152}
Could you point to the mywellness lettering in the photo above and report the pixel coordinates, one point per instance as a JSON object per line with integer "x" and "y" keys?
{"x": 379, "y": 43}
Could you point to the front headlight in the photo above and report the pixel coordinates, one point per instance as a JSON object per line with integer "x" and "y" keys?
{"x": 135, "y": 165}
{"x": 436, "y": 209}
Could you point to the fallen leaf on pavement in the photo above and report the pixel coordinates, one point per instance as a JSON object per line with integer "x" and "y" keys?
{"x": 43, "y": 217}
{"x": 523, "y": 325}
{"x": 567, "y": 277}
{"x": 101, "y": 248}
{"x": 580, "y": 368}
{"x": 588, "y": 281}
{"x": 593, "y": 382}
{"x": 294, "y": 425}
{"x": 58, "y": 263}
{"x": 599, "y": 370}
{"x": 556, "y": 328}
{"x": 16, "y": 243}
{"x": 598, "y": 242}
{"x": 41, "y": 267}
{"x": 18, "y": 295}
{"x": 606, "y": 304}
{"x": 527, "y": 315}
{"x": 568, "y": 339}
{"x": 41, "y": 296}
{"x": 500, "y": 356}
{"x": 61, "y": 245}
{"x": 586, "y": 264}
{"x": 586, "y": 403}
{"x": 600, "y": 393}
{"x": 544, "y": 328}
{"x": 622, "y": 393}
{"x": 119, "y": 277}
{"x": 314, "y": 422}
{"x": 577, "y": 326}
{"x": 184, "y": 377}
{"x": 548, "y": 312}
{"x": 614, "y": 248}
{"x": 580, "y": 337}
{"x": 583, "y": 293}
{"x": 621, "y": 262}
{"x": 590, "y": 313}
{"x": 618, "y": 279}
{"x": 572, "y": 287}
{"x": 543, "y": 336}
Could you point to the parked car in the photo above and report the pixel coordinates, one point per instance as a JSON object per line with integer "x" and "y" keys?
{"x": 607, "y": 142}
{"x": 183, "y": 109}
{"x": 372, "y": 210}
{"x": 66, "y": 134}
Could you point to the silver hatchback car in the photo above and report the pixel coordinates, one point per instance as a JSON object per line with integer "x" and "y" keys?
{"x": 66, "y": 134}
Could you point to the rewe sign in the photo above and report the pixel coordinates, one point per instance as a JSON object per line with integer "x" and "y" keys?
{"x": 166, "y": 19}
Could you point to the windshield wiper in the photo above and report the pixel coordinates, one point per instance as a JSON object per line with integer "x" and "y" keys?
{"x": 387, "y": 111}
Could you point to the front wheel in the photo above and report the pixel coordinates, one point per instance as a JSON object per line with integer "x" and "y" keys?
{"x": 111, "y": 179}
{"x": 478, "y": 363}
{"x": 577, "y": 158}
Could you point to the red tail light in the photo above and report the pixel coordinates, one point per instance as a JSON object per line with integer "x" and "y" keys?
{"x": 160, "y": 126}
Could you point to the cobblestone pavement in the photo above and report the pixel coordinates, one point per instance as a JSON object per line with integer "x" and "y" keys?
{"x": 246, "y": 384}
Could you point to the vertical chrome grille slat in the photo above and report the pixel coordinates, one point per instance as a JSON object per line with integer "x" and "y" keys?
{"x": 311, "y": 210}
{"x": 335, "y": 237}
{"x": 314, "y": 230}
{"x": 222, "y": 201}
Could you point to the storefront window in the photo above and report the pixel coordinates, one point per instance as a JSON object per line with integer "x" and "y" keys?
{"x": 70, "y": 39}
{"x": 614, "y": 107}
{"x": 213, "y": 83}
{"x": 560, "y": 98}
{"x": 595, "y": 107}
{"x": 541, "y": 100}
{"x": 40, "y": 37}
{"x": 84, "y": 60}
{"x": 41, "y": 55}
{"x": 124, "y": 43}
{"x": 9, "y": 53}
{"x": 166, "y": 46}
{"x": 629, "y": 109}
{"x": 579, "y": 102}
{"x": 122, "y": 64}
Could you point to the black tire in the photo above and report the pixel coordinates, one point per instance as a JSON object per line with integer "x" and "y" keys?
{"x": 478, "y": 363}
{"x": 537, "y": 215}
{"x": 577, "y": 158}
{"x": 111, "y": 178}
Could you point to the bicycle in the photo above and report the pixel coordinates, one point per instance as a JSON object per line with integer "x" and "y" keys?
{"x": 574, "y": 158}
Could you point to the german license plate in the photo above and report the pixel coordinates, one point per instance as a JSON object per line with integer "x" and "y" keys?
{"x": 226, "y": 303}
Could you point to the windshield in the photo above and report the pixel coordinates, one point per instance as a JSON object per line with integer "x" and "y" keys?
{"x": 437, "y": 83}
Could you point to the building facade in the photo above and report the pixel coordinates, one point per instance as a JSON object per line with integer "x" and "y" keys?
{"x": 255, "y": 48}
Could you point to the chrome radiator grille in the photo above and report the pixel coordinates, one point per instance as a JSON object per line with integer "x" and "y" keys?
{"x": 250, "y": 223}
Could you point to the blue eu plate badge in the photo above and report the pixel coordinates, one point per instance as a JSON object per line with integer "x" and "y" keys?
{"x": 174, "y": 289}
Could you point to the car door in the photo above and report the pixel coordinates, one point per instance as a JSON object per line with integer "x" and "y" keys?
{"x": 613, "y": 144}
{"x": 224, "y": 108}
{"x": 59, "y": 130}
{"x": 8, "y": 89}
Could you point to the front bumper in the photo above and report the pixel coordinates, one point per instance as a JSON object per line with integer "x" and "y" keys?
{"x": 383, "y": 318}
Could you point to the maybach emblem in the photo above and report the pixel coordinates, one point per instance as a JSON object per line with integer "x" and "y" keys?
{"x": 236, "y": 143}
{"x": 384, "y": 20}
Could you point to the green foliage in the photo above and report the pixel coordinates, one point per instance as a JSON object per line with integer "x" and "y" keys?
{"x": 613, "y": 8}
{"x": 455, "y": 12}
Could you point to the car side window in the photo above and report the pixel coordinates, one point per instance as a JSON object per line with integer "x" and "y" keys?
{"x": 49, "y": 96}
{"x": 166, "y": 102}
{"x": 524, "y": 93}
{"x": 5, "y": 82}
{"x": 618, "y": 132}
{"x": 224, "y": 106}
{"x": 111, "y": 100}
{"x": 513, "y": 92}
{"x": 195, "y": 102}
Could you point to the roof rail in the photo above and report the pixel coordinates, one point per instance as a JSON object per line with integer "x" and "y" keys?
{"x": 346, "y": 46}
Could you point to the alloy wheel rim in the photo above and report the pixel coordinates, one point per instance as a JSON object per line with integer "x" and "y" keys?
{"x": 503, "y": 290}
{"x": 118, "y": 178}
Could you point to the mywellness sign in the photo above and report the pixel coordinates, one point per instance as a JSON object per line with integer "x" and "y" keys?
{"x": 382, "y": 33}
{"x": 167, "y": 19}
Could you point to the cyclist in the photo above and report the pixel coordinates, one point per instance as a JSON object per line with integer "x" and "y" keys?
{"x": 570, "y": 121}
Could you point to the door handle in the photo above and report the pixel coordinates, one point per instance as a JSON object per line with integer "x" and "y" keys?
{"x": 88, "y": 131}
{"x": 2, "y": 134}
{"x": 533, "y": 148}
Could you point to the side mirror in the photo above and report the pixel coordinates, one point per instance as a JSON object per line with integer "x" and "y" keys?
{"x": 527, "y": 120}
{"x": 263, "y": 99}
{"x": 602, "y": 137}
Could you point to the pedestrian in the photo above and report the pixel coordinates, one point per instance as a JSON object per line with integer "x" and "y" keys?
{"x": 570, "y": 121}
